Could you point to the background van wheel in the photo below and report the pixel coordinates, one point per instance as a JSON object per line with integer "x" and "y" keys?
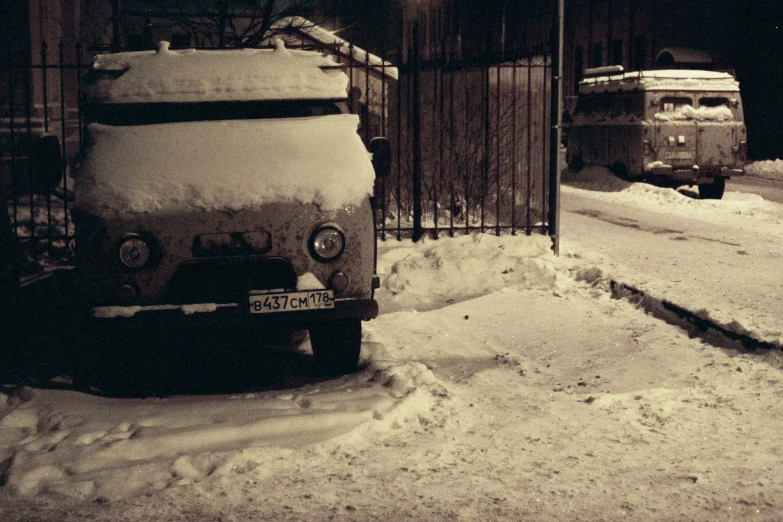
{"x": 576, "y": 164}
{"x": 336, "y": 346}
{"x": 713, "y": 190}
{"x": 620, "y": 170}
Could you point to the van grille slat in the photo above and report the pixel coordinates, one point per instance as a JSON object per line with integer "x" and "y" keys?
{"x": 228, "y": 280}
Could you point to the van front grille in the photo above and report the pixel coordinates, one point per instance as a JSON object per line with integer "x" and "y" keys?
{"x": 228, "y": 280}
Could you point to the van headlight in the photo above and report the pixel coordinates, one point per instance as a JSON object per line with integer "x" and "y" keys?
{"x": 327, "y": 243}
{"x": 134, "y": 251}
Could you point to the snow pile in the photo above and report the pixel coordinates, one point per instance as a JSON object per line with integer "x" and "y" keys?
{"x": 216, "y": 75}
{"x": 91, "y": 447}
{"x": 600, "y": 183}
{"x": 225, "y": 165}
{"x": 433, "y": 273}
{"x": 688, "y": 113}
{"x": 770, "y": 169}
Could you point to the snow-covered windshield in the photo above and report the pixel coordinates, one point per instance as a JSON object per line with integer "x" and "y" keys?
{"x": 224, "y": 165}
{"x": 157, "y": 113}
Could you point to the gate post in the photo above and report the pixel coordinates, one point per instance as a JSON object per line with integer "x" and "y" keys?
{"x": 556, "y": 114}
{"x": 415, "y": 66}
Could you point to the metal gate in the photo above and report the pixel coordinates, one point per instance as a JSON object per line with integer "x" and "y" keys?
{"x": 472, "y": 148}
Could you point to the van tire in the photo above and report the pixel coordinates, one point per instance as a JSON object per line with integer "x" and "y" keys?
{"x": 336, "y": 346}
{"x": 713, "y": 190}
{"x": 620, "y": 170}
{"x": 576, "y": 164}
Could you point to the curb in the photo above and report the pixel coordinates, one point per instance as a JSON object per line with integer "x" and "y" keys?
{"x": 677, "y": 315}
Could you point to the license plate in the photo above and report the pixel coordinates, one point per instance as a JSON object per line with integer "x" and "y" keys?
{"x": 680, "y": 155}
{"x": 268, "y": 303}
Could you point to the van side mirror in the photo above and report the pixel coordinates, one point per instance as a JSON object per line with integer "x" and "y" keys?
{"x": 381, "y": 156}
{"x": 47, "y": 162}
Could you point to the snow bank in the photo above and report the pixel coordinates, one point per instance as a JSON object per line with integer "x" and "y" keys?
{"x": 225, "y": 165}
{"x": 434, "y": 273}
{"x": 90, "y": 447}
{"x": 216, "y": 75}
{"x": 600, "y": 183}
{"x": 770, "y": 169}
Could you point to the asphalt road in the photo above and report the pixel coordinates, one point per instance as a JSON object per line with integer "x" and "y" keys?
{"x": 771, "y": 190}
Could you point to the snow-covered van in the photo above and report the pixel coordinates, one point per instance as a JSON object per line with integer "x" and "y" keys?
{"x": 228, "y": 186}
{"x": 668, "y": 127}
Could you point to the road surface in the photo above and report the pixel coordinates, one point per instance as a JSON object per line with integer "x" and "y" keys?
{"x": 769, "y": 189}
{"x": 731, "y": 267}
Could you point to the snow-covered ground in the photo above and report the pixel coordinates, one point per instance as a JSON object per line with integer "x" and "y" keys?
{"x": 499, "y": 383}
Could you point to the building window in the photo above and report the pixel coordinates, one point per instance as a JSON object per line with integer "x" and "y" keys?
{"x": 617, "y": 52}
{"x": 639, "y": 53}
{"x": 596, "y": 59}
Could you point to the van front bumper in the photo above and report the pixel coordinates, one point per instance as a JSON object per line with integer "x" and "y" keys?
{"x": 351, "y": 308}
{"x": 694, "y": 175}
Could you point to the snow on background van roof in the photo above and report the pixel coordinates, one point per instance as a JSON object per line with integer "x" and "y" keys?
{"x": 191, "y": 75}
{"x": 671, "y": 79}
{"x": 224, "y": 165}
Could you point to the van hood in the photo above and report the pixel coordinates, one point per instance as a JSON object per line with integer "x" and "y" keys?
{"x": 224, "y": 165}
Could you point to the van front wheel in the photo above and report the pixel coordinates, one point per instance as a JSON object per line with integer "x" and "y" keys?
{"x": 336, "y": 346}
{"x": 713, "y": 190}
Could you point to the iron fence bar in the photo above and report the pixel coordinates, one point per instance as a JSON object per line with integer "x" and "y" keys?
{"x": 350, "y": 78}
{"x": 529, "y": 174}
{"x": 437, "y": 171}
{"x": 545, "y": 131}
{"x": 485, "y": 152}
{"x": 80, "y": 114}
{"x": 383, "y": 129}
{"x": 366, "y": 110}
{"x": 29, "y": 117}
{"x": 497, "y": 154}
{"x": 513, "y": 148}
{"x": 554, "y": 145}
{"x": 45, "y": 86}
{"x": 451, "y": 155}
{"x": 399, "y": 160}
{"x": 12, "y": 136}
{"x": 417, "y": 228}
{"x": 465, "y": 172}
{"x": 63, "y": 136}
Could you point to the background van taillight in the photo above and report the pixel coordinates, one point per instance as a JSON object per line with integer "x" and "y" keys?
{"x": 646, "y": 147}
{"x": 742, "y": 150}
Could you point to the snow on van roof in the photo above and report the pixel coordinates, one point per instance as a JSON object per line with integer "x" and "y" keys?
{"x": 191, "y": 75}
{"x": 665, "y": 79}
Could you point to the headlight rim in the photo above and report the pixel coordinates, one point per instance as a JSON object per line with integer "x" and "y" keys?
{"x": 152, "y": 251}
{"x": 312, "y": 243}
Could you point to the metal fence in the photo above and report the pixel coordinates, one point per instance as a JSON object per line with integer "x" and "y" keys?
{"x": 472, "y": 149}
{"x": 39, "y": 97}
{"x": 471, "y": 143}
